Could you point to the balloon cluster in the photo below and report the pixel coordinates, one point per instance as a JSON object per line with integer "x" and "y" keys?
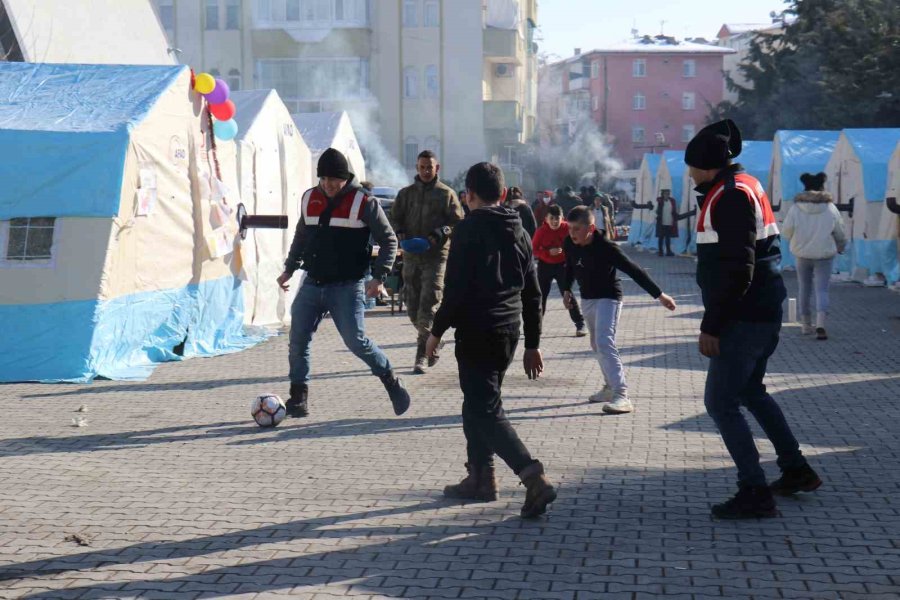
{"x": 222, "y": 109}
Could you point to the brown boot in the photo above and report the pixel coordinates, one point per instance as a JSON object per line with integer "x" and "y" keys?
{"x": 480, "y": 485}
{"x": 421, "y": 359}
{"x": 539, "y": 492}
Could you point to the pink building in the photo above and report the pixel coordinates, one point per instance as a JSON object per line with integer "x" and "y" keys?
{"x": 649, "y": 94}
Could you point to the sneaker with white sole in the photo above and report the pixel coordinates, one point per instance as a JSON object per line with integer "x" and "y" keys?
{"x": 619, "y": 405}
{"x": 603, "y": 396}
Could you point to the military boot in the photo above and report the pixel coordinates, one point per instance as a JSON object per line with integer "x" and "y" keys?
{"x": 539, "y": 492}
{"x": 419, "y": 368}
{"x": 480, "y": 485}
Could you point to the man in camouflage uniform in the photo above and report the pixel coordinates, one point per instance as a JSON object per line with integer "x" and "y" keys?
{"x": 423, "y": 216}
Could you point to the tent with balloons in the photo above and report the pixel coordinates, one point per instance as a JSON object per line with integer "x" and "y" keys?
{"x": 118, "y": 246}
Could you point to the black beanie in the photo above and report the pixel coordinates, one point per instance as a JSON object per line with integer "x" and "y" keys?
{"x": 334, "y": 164}
{"x": 813, "y": 183}
{"x": 715, "y": 146}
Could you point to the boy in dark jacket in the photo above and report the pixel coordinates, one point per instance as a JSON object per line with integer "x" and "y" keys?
{"x": 738, "y": 271}
{"x": 490, "y": 285}
{"x": 592, "y": 260}
{"x": 548, "y": 244}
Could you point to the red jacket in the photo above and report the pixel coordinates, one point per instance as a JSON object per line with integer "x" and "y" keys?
{"x": 546, "y": 238}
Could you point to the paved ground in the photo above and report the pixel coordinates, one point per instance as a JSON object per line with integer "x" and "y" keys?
{"x": 179, "y": 495}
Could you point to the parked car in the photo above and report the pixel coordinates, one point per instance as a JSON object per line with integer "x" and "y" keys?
{"x": 386, "y": 197}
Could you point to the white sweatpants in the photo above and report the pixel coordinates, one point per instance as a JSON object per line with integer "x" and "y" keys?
{"x": 602, "y": 317}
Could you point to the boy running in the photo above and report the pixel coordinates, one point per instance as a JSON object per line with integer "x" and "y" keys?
{"x": 548, "y": 249}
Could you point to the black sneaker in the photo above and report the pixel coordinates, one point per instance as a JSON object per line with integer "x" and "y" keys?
{"x": 397, "y": 392}
{"x": 297, "y": 403}
{"x": 749, "y": 503}
{"x": 792, "y": 481}
{"x": 821, "y": 334}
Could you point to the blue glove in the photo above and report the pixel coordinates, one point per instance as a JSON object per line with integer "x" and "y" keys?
{"x": 415, "y": 245}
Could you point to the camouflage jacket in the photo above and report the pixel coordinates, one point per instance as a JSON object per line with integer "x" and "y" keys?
{"x": 422, "y": 209}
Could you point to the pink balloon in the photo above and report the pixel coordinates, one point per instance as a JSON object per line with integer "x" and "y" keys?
{"x": 219, "y": 94}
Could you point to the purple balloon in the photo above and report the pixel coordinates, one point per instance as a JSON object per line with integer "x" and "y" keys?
{"x": 219, "y": 94}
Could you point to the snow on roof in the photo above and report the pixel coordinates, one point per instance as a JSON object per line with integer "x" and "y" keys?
{"x": 71, "y": 97}
{"x": 739, "y": 28}
{"x": 654, "y": 45}
{"x": 248, "y": 104}
{"x": 318, "y": 129}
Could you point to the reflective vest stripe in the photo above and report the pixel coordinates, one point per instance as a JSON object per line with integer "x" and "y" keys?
{"x": 352, "y": 221}
{"x": 766, "y": 225}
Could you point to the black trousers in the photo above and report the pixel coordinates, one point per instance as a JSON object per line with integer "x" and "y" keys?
{"x": 668, "y": 240}
{"x": 483, "y": 358}
{"x": 547, "y": 274}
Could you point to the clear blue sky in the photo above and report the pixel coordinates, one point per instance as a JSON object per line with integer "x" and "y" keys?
{"x": 567, "y": 24}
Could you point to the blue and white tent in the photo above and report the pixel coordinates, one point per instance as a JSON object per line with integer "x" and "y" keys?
{"x": 858, "y": 171}
{"x": 670, "y": 176}
{"x": 793, "y": 154}
{"x": 643, "y": 221}
{"x": 117, "y": 251}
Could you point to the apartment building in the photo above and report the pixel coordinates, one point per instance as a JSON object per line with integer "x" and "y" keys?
{"x": 737, "y": 37}
{"x": 648, "y": 94}
{"x": 454, "y": 76}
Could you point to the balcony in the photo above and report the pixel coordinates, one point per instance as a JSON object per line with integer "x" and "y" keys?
{"x": 504, "y": 118}
{"x": 503, "y": 45}
{"x": 579, "y": 83}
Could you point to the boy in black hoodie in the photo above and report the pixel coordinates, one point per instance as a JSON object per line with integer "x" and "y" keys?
{"x": 490, "y": 283}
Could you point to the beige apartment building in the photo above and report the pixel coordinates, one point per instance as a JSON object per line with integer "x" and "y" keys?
{"x": 455, "y": 76}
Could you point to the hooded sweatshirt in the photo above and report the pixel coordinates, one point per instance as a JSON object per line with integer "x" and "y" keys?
{"x": 814, "y": 226}
{"x": 546, "y": 238}
{"x": 491, "y": 282}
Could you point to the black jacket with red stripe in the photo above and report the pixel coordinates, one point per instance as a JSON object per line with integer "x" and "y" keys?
{"x": 738, "y": 253}
{"x": 332, "y": 241}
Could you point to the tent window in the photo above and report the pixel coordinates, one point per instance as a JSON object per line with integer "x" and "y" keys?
{"x": 30, "y": 239}
{"x": 234, "y": 80}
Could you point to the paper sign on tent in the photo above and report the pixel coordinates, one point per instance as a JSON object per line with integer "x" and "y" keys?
{"x": 219, "y": 243}
{"x": 146, "y": 200}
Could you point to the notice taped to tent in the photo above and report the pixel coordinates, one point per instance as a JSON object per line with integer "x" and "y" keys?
{"x": 219, "y": 243}
{"x": 146, "y": 199}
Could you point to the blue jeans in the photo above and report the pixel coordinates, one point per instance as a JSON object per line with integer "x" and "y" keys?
{"x": 347, "y": 304}
{"x": 735, "y": 378}
{"x": 813, "y": 277}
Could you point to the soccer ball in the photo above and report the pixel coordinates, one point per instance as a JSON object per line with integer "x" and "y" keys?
{"x": 268, "y": 410}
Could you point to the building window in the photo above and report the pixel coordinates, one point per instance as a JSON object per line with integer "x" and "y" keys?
{"x": 315, "y": 80}
{"x": 166, "y": 14}
{"x": 30, "y": 239}
{"x": 410, "y": 83}
{"x": 212, "y": 14}
{"x": 350, "y": 12}
{"x": 639, "y": 67}
{"x": 410, "y": 152}
{"x": 637, "y": 134}
{"x": 690, "y": 68}
{"x": 687, "y": 133}
{"x": 595, "y": 103}
{"x": 292, "y": 10}
{"x": 410, "y": 13}
{"x": 595, "y": 69}
{"x": 432, "y": 14}
{"x": 214, "y": 72}
{"x": 639, "y": 102}
{"x": 233, "y": 14}
{"x": 234, "y": 80}
{"x": 432, "y": 82}
{"x": 688, "y": 101}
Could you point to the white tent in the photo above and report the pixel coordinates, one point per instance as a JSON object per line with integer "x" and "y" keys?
{"x": 890, "y": 222}
{"x": 274, "y": 169}
{"x": 670, "y": 176}
{"x": 93, "y": 32}
{"x": 795, "y": 153}
{"x": 643, "y": 221}
{"x": 321, "y": 131}
{"x": 116, "y": 243}
{"x": 858, "y": 172}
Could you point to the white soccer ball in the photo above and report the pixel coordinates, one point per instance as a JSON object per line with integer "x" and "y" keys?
{"x": 268, "y": 410}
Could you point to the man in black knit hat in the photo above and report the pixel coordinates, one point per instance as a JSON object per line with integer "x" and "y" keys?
{"x": 738, "y": 258}
{"x": 332, "y": 244}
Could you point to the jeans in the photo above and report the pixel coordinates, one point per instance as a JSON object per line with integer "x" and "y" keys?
{"x": 346, "y": 302}
{"x": 735, "y": 378}
{"x": 813, "y": 276}
{"x": 483, "y": 358}
{"x": 603, "y": 319}
{"x": 547, "y": 273}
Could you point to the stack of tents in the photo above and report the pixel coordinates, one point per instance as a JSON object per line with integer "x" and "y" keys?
{"x": 863, "y": 168}
{"x": 119, "y": 238}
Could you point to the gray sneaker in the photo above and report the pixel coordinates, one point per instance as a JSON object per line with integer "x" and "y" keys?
{"x": 603, "y": 396}
{"x": 619, "y": 405}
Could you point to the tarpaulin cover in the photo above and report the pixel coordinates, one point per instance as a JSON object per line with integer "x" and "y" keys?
{"x": 756, "y": 158}
{"x": 124, "y": 338}
{"x": 65, "y": 129}
{"x": 641, "y": 219}
{"x": 874, "y": 148}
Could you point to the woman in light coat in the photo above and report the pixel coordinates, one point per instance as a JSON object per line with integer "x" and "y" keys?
{"x": 815, "y": 229}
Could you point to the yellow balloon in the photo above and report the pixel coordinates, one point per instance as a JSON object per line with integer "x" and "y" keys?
{"x": 204, "y": 83}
